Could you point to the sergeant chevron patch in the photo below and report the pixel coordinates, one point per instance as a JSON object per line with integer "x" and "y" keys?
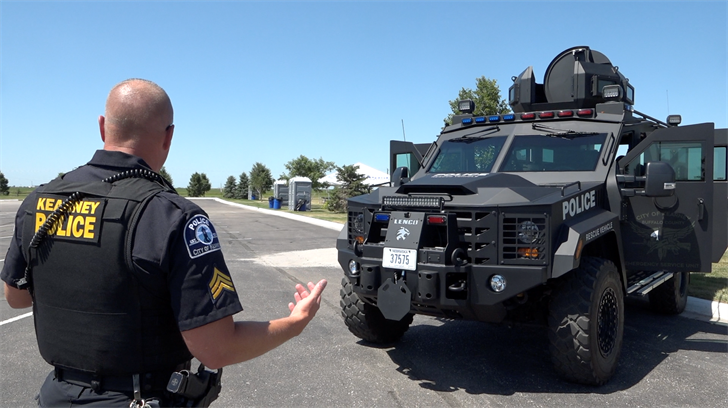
{"x": 219, "y": 283}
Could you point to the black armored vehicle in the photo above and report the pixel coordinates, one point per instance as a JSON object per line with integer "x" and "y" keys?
{"x": 553, "y": 213}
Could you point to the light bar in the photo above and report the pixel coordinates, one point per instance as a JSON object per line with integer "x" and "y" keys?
{"x": 467, "y": 121}
{"x": 494, "y": 118}
{"x": 585, "y": 112}
{"x": 529, "y": 115}
{"x": 409, "y": 201}
{"x": 509, "y": 117}
{"x": 566, "y": 114}
{"x": 480, "y": 119}
{"x": 543, "y": 115}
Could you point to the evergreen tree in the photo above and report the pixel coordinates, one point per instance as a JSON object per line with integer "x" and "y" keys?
{"x": 199, "y": 185}
{"x": 163, "y": 173}
{"x": 230, "y": 188}
{"x": 4, "y": 188}
{"x": 352, "y": 185}
{"x": 241, "y": 190}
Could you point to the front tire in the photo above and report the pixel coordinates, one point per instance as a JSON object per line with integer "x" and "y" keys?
{"x": 586, "y": 322}
{"x": 366, "y": 321}
{"x": 672, "y": 296}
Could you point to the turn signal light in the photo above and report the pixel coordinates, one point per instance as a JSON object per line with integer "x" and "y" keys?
{"x": 531, "y": 253}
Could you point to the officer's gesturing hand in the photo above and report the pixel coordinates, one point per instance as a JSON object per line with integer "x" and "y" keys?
{"x": 225, "y": 342}
{"x": 311, "y": 306}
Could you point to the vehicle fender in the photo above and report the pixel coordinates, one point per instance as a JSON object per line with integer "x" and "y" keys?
{"x": 578, "y": 235}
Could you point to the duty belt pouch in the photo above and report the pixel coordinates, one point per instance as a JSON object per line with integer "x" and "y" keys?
{"x": 199, "y": 389}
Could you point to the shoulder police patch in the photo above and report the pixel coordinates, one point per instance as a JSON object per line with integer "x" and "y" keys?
{"x": 200, "y": 236}
{"x": 219, "y": 283}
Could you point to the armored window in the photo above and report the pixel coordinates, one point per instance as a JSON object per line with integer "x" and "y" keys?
{"x": 686, "y": 158}
{"x": 719, "y": 164}
{"x": 407, "y": 160}
{"x": 531, "y": 153}
{"x": 465, "y": 155}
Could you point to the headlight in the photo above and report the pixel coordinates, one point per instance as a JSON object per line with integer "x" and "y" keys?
{"x": 353, "y": 267}
{"x": 497, "y": 283}
{"x": 528, "y": 232}
{"x": 359, "y": 224}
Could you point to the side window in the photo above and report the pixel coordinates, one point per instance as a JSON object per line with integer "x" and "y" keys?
{"x": 407, "y": 160}
{"x": 719, "y": 164}
{"x": 686, "y": 158}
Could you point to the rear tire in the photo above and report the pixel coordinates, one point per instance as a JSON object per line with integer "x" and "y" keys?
{"x": 586, "y": 322}
{"x": 366, "y": 321}
{"x": 672, "y": 296}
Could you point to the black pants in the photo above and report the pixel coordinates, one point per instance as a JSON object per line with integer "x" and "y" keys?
{"x": 56, "y": 393}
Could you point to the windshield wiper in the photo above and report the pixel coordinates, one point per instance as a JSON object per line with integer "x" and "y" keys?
{"x": 468, "y": 138}
{"x": 561, "y": 133}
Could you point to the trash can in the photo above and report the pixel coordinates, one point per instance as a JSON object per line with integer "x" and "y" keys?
{"x": 276, "y": 203}
{"x": 270, "y": 202}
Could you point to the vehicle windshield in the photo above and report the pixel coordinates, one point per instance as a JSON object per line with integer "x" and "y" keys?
{"x": 554, "y": 152}
{"x": 467, "y": 155}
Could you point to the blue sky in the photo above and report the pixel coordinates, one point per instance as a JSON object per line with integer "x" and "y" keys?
{"x": 270, "y": 81}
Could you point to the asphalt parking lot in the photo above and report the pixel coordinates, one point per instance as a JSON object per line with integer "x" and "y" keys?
{"x": 666, "y": 361}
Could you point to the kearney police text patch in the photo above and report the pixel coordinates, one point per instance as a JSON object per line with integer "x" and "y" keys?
{"x": 200, "y": 236}
{"x": 80, "y": 222}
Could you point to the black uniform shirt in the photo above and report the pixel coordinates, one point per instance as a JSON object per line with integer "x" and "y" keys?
{"x": 176, "y": 250}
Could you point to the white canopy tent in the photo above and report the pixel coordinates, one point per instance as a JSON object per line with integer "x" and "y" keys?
{"x": 373, "y": 176}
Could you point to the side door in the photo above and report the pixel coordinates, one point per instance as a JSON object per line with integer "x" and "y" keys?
{"x": 671, "y": 233}
{"x": 406, "y": 154}
{"x": 720, "y": 194}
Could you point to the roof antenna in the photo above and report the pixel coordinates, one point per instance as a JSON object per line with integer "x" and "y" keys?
{"x": 403, "y": 135}
{"x": 667, "y": 96}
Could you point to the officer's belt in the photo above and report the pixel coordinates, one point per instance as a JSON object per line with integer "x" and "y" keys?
{"x": 152, "y": 381}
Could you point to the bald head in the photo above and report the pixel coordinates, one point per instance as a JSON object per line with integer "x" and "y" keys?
{"x": 137, "y": 121}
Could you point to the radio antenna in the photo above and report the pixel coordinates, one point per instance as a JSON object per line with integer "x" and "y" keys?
{"x": 403, "y": 135}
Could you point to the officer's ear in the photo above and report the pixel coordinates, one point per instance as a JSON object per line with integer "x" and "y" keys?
{"x": 101, "y": 128}
{"x": 169, "y": 132}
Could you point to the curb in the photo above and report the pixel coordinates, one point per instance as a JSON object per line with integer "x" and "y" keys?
{"x": 697, "y": 309}
{"x": 701, "y": 309}
{"x": 315, "y": 221}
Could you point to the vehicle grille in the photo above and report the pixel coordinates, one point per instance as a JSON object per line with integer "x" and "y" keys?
{"x": 517, "y": 232}
{"x": 478, "y": 231}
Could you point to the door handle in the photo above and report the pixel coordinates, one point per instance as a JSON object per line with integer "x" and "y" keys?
{"x": 701, "y": 209}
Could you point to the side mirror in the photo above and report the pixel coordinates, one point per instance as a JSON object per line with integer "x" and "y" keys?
{"x": 659, "y": 180}
{"x": 400, "y": 176}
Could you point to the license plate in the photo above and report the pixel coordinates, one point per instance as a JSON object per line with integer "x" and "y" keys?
{"x": 398, "y": 258}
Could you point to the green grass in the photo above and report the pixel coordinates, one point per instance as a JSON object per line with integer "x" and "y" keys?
{"x": 712, "y": 286}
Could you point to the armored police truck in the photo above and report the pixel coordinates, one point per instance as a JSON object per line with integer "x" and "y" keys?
{"x": 553, "y": 213}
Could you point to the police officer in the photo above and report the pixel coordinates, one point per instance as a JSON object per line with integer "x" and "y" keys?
{"x": 127, "y": 279}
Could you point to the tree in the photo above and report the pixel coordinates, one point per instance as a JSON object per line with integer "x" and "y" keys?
{"x": 486, "y": 96}
{"x": 352, "y": 185}
{"x": 241, "y": 190}
{"x": 313, "y": 169}
{"x": 199, "y": 185}
{"x": 260, "y": 179}
{"x": 229, "y": 190}
{"x": 163, "y": 173}
{"x": 4, "y": 189}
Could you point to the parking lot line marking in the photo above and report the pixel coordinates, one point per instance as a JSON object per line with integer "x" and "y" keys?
{"x": 23, "y": 316}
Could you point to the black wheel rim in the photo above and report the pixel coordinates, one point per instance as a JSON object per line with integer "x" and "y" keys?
{"x": 607, "y": 322}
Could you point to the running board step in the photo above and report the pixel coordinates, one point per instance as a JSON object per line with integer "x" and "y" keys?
{"x": 645, "y": 285}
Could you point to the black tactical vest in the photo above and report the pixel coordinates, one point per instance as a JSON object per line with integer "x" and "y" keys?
{"x": 92, "y": 310}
